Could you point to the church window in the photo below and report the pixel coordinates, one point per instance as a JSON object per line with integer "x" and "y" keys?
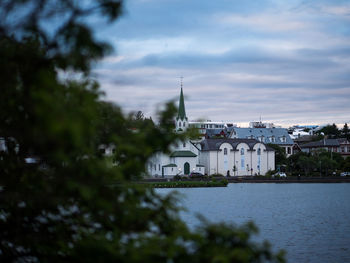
{"x": 184, "y": 145}
{"x": 184, "y": 124}
{"x": 242, "y": 151}
{"x": 179, "y": 123}
{"x": 225, "y": 151}
{"x": 242, "y": 164}
{"x": 259, "y": 151}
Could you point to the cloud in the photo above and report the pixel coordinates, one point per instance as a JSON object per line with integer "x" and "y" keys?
{"x": 285, "y": 60}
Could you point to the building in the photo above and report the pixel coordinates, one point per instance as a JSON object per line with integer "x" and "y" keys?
{"x": 278, "y": 136}
{"x": 236, "y": 157}
{"x": 209, "y": 127}
{"x": 341, "y": 146}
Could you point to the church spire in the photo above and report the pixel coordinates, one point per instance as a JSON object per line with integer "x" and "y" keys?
{"x": 182, "y": 113}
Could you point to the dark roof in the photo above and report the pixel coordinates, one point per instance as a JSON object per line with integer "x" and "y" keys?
{"x": 170, "y": 165}
{"x": 183, "y": 154}
{"x": 321, "y": 143}
{"x": 214, "y": 144}
{"x": 182, "y": 113}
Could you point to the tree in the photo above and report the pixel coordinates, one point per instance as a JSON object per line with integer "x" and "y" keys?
{"x": 331, "y": 131}
{"x": 68, "y": 205}
{"x": 280, "y": 154}
{"x": 346, "y": 132}
{"x": 294, "y": 166}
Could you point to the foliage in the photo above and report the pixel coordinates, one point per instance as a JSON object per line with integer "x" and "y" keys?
{"x": 269, "y": 173}
{"x": 346, "y": 132}
{"x": 319, "y": 163}
{"x": 68, "y": 205}
{"x": 331, "y": 131}
{"x": 280, "y": 154}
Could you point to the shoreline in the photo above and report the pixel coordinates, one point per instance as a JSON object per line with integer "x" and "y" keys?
{"x": 253, "y": 179}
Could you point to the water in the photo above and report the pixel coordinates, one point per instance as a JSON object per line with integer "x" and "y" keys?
{"x": 310, "y": 221}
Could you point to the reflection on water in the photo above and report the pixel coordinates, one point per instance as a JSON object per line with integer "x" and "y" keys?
{"x": 310, "y": 221}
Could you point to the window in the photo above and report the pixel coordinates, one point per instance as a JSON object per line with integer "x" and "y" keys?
{"x": 272, "y": 139}
{"x": 242, "y": 151}
{"x": 225, "y": 151}
{"x": 179, "y": 123}
{"x": 155, "y": 167}
{"x": 283, "y": 139}
{"x": 184, "y": 145}
{"x": 184, "y": 124}
{"x": 289, "y": 151}
{"x": 172, "y": 169}
{"x": 242, "y": 164}
{"x": 342, "y": 149}
{"x": 259, "y": 151}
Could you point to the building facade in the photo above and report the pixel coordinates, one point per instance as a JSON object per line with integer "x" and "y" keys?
{"x": 236, "y": 157}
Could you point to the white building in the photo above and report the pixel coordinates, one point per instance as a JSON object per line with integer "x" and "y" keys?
{"x": 236, "y": 157}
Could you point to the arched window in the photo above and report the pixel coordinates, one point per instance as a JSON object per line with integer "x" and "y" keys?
{"x": 242, "y": 151}
{"x": 184, "y": 124}
{"x": 179, "y": 123}
{"x": 259, "y": 151}
{"x": 225, "y": 151}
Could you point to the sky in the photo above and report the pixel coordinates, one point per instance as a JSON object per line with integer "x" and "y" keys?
{"x": 286, "y": 61}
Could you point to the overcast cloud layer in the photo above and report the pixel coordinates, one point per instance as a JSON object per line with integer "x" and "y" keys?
{"x": 286, "y": 61}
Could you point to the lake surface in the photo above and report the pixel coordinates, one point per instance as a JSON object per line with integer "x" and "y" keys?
{"x": 310, "y": 221}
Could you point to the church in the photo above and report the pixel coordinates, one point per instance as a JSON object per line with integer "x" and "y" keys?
{"x": 226, "y": 156}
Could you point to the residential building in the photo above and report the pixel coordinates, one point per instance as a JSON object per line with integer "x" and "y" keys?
{"x": 341, "y": 146}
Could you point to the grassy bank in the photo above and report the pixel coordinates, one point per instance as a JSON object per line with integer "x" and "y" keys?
{"x": 183, "y": 184}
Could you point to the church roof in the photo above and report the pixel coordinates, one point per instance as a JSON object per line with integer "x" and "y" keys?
{"x": 183, "y": 154}
{"x": 182, "y": 113}
{"x": 214, "y": 144}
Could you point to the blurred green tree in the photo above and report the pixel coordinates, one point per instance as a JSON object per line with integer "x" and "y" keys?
{"x": 59, "y": 201}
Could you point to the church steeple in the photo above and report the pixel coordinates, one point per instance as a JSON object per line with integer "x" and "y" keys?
{"x": 181, "y": 120}
{"x": 182, "y": 112}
